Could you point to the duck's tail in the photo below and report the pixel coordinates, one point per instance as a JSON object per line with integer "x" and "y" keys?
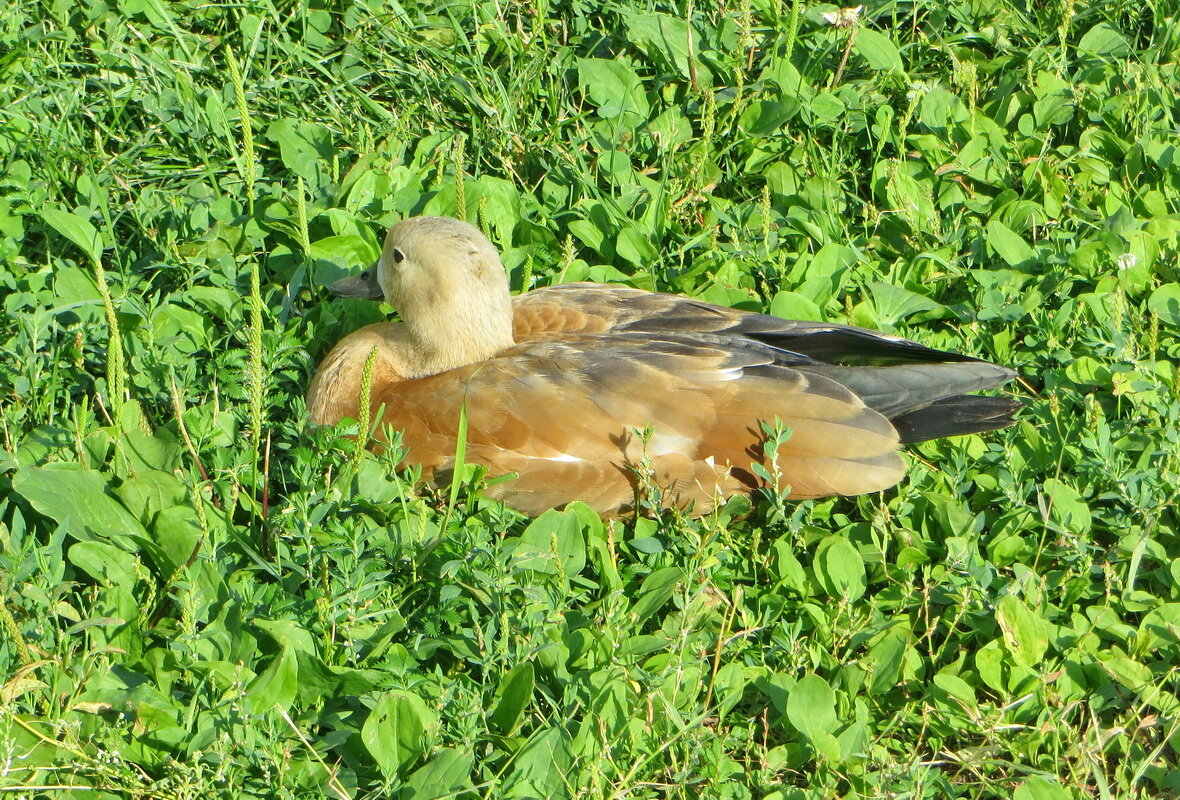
{"x": 956, "y": 416}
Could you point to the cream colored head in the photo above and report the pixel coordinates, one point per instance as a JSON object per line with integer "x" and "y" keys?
{"x": 446, "y": 281}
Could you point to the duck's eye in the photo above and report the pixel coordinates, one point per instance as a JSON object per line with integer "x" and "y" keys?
{"x": 398, "y": 256}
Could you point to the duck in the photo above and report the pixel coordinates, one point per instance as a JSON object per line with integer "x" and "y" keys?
{"x": 619, "y": 397}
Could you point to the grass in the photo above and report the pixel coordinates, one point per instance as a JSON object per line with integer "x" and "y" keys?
{"x": 206, "y": 598}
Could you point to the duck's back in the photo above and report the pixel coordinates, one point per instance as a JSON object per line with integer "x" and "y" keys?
{"x": 926, "y": 392}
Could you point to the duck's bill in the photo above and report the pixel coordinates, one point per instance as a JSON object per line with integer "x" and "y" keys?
{"x": 363, "y": 286}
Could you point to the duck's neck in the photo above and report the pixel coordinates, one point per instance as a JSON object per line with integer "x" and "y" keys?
{"x": 335, "y": 390}
{"x": 444, "y": 333}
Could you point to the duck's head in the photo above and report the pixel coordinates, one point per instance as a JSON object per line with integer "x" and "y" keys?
{"x": 446, "y": 282}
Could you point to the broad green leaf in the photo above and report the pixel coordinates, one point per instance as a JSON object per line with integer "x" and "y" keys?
{"x": 1025, "y": 635}
{"x": 301, "y": 145}
{"x": 1008, "y": 244}
{"x": 729, "y": 686}
{"x": 1142, "y": 680}
{"x": 1104, "y": 40}
{"x": 345, "y": 223}
{"x": 559, "y": 535}
{"x": 853, "y": 741}
{"x": 77, "y": 498}
{"x": 952, "y": 513}
{"x": 1023, "y": 215}
{"x": 145, "y": 452}
{"x": 215, "y": 299}
{"x": 600, "y": 549}
{"x": 783, "y": 180}
{"x": 1165, "y": 304}
{"x": 767, "y": 117}
{"x": 671, "y": 39}
{"x": 730, "y": 296}
{"x": 512, "y": 697}
{"x": 893, "y": 303}
{"x": 789, "y": 571}
{"x": 77, "y": 230}
{"x": 886, "y": 657}
{"x": 376, "y": 483}
{"x": 1055, "y": 99}
{"x": 149, "y": 492}
{"x": 140, "y": 450}
{"x": 614, "y": 89}
{"x": 180, "y": 329}
{"x": 319, "y": 681}
{"x": 499, "y": 204}
{"x": 288, "y": 633}
{"x": 636, "y": 247}
{"x": 822, "y": 277}
{"x": 827, "y": 746}
{"x": 777, "y": 687}
{"x": 671, "y": 129}
{"x": 1054, "y": 109}
{"x": 76, "y": 292}
{"x": 395, "y": 732}
{"x": 811, "y": 707}
{"x": 610, "y": 706}
{"x": 910, "y": 191}
{"x": 1137, "y": 266}
{"x": 657, "y": 589}
{"x": 177, "y": 532}
{"x": 1160, "y": 626}
{"x": 940, "y": 108}
{"x": 784, "y": 76}
{"x": 276, "y": 685}
{"x": 827, "y": 107}
{"x": 1087, "y": 371}
{"x": 156, "y": 12}
{"x": 878, "y": 50}
{"x": 956, "y": 688}
{"x": 1132, "y": 674}
{"x": 105, "y": 563}
{"x": 541, "y": 766}
{"x": 353, "y": 253}
{"x": 840, "y": 568}
{"x": 441, "y": 778}
{"x": 1067, "y": 508}
{"x": 369, "y": 189}
{"x": 682, "y": 687}
{"x": 1038, "y": 788}
{"x": 593, "y": 236}
{"x": 792, "y": 305}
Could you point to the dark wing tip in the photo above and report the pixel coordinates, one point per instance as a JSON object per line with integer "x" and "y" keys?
{"x": 957, "y": 416}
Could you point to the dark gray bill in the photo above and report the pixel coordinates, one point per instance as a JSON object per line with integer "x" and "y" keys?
{"x": 363, "y": 286}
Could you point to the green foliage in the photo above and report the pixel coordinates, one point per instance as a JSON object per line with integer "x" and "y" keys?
{"x": 206, "y": 598}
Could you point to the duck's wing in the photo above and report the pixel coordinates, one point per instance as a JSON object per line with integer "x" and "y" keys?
{"x": 580, "y": 308}
{"x": 928, "y": 392}
{"x": 588, "y": 308}
{"x": 587, "y": 418}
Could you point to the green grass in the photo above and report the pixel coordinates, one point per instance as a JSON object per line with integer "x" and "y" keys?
{"x": 204, "y": 598}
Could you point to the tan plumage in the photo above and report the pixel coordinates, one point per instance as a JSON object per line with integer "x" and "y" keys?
{"x": 578, "y": 390}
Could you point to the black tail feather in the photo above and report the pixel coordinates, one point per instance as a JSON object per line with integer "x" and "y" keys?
{"x": 956, "y": 416}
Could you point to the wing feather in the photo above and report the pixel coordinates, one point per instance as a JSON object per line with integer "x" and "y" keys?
{"x": 895, "y": 376}
{"x": 584, "y": 417}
